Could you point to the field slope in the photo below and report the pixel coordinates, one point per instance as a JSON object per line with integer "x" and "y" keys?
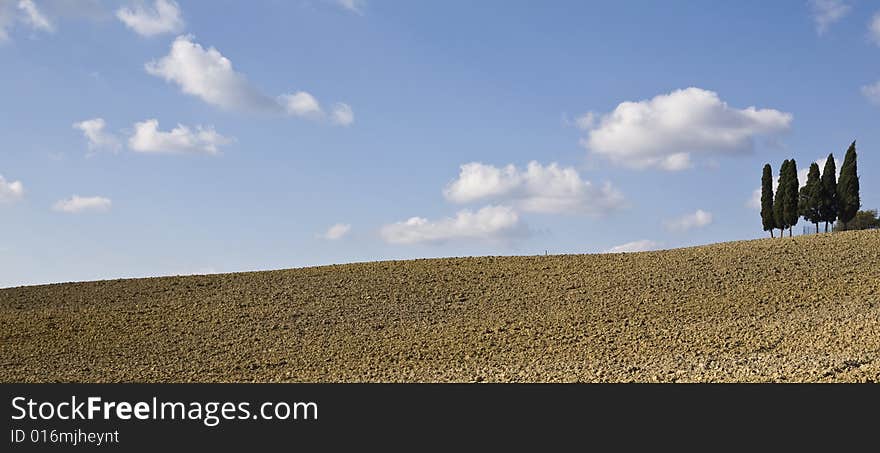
{"x": 785, "y": 310}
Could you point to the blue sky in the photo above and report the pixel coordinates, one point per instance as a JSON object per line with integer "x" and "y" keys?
{"x": 159, "y": 138}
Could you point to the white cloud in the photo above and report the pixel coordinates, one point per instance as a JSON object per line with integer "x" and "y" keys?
{"x": 10, "y": 190}
{"x": 355, "y": 6}
{"x": 33, "y": 17}
{"x": 209, "y": 76}
{"x": 754, "y": 201}
{"x": 538, "y": 188}
{"x": 872, "y": 92}
{"x": 163, "y": 17}
{"x": 77, "y": 204}
{"x": 874, "y": 28}
{"x": 635, "y": 246}
{"x": 23, "y": 12}
{"x": 342, "y": 114}
{"x": 147, "y": 138}
{"x": 698, "y": 219}
{"x": 665, "y": 131}
{"x": 827, "y": 12}
{"x": 301, "y": 104}
{"x": 337, "y": 231}
{"x": 489, "y": 223}
{"x": 98, "y": 138}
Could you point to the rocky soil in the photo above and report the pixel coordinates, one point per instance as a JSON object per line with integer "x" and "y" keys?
{"x": 805, "y": 309}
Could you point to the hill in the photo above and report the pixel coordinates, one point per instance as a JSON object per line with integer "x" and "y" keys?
{"x": 786, "y": 310}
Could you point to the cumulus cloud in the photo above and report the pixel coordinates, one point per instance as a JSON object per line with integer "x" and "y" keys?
{"x": 489, "y": 223}
{"x": 163, "y": 17}
{"x": 664, "y": 132}
{"x": 77, "y": 204}
{"x": 96, "y": 135}
{"x": 355, "y": 6}
{"x": 10, "y": 190}
{"x": 32, "y": 16}
{"x": 147, "y": 138}
{"x": 209, "y": 76}
{"x": 537, "y": 188}
{"x": 874, "y": 28}
{"x": 301, "y": 104}
{"x": 337, "y": 231}
{"x": 342, "y": 114}
{"x": 635, "y": 246}
{"x": 698, "y": 219}
{"x": 827, "y": 12}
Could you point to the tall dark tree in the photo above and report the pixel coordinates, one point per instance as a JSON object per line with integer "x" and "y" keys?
{"x": 811, "y": 197}
{"x": 790, "y": 208}
{"x": 848, "y": 187}
{"x": 767, "y": 218}
{"x": 828, "y": 206}
{"x": 779, "y": 199}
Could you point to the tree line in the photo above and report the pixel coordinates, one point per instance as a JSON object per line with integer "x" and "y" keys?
{"x": 823, "y": 198}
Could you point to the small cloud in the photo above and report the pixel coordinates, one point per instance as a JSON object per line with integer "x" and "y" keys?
{"x": 827, "y": 12}
{"x": 77, "y": 204}
{"x": 754, "y": 202}
{"x": 163, "y": 17}
{"x": 874, "y": 28}
{"x": 23, "y": 12}
{"x": 301, "y": 104}
{"x": 337, "y": 231}
{"x": 354, "y": 6}
{"x": 147, "y": 138}
{"x": 10, "y": 191}
{"x": 489, "y": 223}
{"x": 98, "y": 138}
{"x": 342, "y": 114}
{"x": 675, "y": 162}
{"x": 536, "y": 188}
{"x": 635, "y": 246}
{"x": 33, "y": 17}
{"x": 202, "y": 271}
{"x": 698, "y": 219}
{"x": 210, "y": 76}
{"x": 872, "y": 92}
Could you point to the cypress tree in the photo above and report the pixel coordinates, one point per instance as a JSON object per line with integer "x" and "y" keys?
{"x": 779, "y": 199}
{"x": 810, "y": 197}
{"x": 790, "y": 208}
{"x": 767, "y": 218}
{"x": 848, "y": 187}
{"x": 828, "y": 206}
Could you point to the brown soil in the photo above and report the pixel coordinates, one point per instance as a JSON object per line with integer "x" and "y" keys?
{"x": 790, "y": 310}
